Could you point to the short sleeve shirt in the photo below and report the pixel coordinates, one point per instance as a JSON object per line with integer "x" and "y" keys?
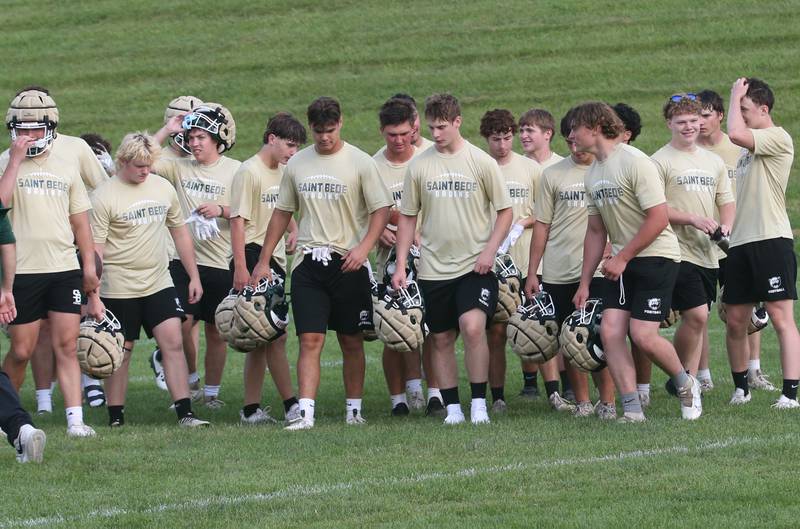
{"x": 521, "y": 176}
{"x": 730, "y": 153}
{"x": 92, "y": 172}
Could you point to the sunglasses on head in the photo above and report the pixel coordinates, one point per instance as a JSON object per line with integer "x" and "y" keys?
{"x": 678, "y": 97}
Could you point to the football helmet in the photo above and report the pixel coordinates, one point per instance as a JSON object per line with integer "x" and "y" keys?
{"x": 100, "y": 346}
{"x": 509, "y": 295}
{"x": 533, "y": 330}
{"x": 671, "y": 319}
{"x": 580, "y": 337}
{"x": 33, "y": 109}
{"x": 262, "y": 313}
{"x": 759, "y": 318}
{"x": 223, "y": 316}
{"x": 399, "y": 318}
{"x": 177, "y": 107}
{"x": 216, "y": 120}
{"x": 391, "y": 265}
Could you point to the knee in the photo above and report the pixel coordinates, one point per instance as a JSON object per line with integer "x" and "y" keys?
{"x": 612, "y": 335}
{"x": 645, "y": 338}
{"x": 695, "y": 319}
{"x": 473, "y": 329}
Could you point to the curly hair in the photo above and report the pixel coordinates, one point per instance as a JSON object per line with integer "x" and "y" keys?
{"x": 498, "y": 121}
{"x": 598, "y": 114}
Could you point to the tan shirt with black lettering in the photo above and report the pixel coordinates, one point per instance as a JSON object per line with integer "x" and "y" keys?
{"x": 521, "y": 176}
{"x": 92, "y": 172}
{"x": 168, "y": 153}
{"x": 49, "y": 189}
{"x": 333, "y": 195}
{"x": 253, "y": 198}
{"x": 761, "y": 179}
{"x": 198, "y": 184}
{"x": 730, "y": 153}
{"x": 620, "y": 189}
{"x": 552, "y": 160}
{"x": 457, "y": 196}
{"x": 694, "y": 182}
{"x": 131, "y": 220}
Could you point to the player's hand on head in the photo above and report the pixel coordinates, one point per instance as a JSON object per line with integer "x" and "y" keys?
{"x": 175, "y": 124}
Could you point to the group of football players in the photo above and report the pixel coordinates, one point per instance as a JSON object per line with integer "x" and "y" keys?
{"x": 164, "y": 235}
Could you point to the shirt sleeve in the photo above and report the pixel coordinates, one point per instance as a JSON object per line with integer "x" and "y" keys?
{"x": 174, "y": 212}
{"x": 411, "y": 203}
{"x": 241, "y": 205}
{"x": 99, "y": 218}
{"x": 92, "y": 172}
{"x": 590, "y": 205}
{"x": 647, "y": 183}
{"x": 78, "y": 197}
{"x": 167, "y": 169}
{"x": 724, "y": 194}
{"x": 544, "y": 206}
{"x": 376, "y": 194}
{"x": 495, "y": 186}
{"x": 771, "y": 142}
{"x": 287, "y": 194}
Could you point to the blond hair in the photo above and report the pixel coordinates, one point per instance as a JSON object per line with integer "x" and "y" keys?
{"x": 139, "y": 147}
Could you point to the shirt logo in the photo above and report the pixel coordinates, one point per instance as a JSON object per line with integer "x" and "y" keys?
{"x": 606, "y": 193}
{"x": 144, "y": 212}
{"x": 203, "y": 188}
{"x": 43, "y": 183}
{"x": 696, "y": 180}
{"x": 574, "y": 196}
{"x": 743, "y": 164}
{"x": 451, "y": 185}
{"x": 322, "y": 187}
{"x": 270, "y": 197}
{"x": 396, "y": 190}
{"x": 518, "y": 192}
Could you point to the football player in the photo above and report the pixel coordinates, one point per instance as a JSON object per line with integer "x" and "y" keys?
{"x": 762, "y": 265}
{"x": 129, "y": 213}
{"x": 204, "y": 183}
{"x": 342, "y": 208}
{"x": 536, "y": 130}
{"x": 45, "y": 189}
{"x": 417, "y": 139}
{"x": 253, "y": 198}
{"x": 626, "y": 204}
{"x": 456, "y": 188}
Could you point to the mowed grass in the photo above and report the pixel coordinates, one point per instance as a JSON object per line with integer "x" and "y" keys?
{"x": 113, "y": 66}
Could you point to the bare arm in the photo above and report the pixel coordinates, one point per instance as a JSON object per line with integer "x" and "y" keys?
{"x": 9, "y": 179}
{"x": 502, "y": 223}
{"x": 406, "y": 230}
{"x": 278, "y": 223}
{"x": 83, "y": 237}
{"x": 355, "y": 258}
{"x": 541, "y": 232}
{"x": 8, "y": 308}
{"x": 240, "y": 273}
{"x": 737, "y": 129}
{"x": 185, "y": 249}
{"x": 173, "y": 126}
{"x": 727, "y": 212}
{"x": 291, "y": 239}
{"x": 683, "y": 218}
{"x": 594, "y": 244}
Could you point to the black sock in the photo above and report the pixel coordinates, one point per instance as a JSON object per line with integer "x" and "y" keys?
{"x": 159, "y": 356}
{"x": 790, "y": 388}
{"x": 478, "y": 390}
{"x": 450, "y": 396}
{"x": 530, "y": 379}
{"x": 550, "y": 387}
{"x": 183, "y": 408}
{"x": 498, "y": 393}
{"x": 250, "y": 409}
{"x": 116, "y": 414}
{"x": 565, "y": 385}
{"x": 288, "y": 403}
{"x": 740, "y": 380}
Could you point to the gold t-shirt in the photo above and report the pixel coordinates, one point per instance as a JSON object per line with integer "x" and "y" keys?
{"x": 253, "y": 197}
{"x": 521, "y": 176}
{"x": 131, "y": 220}
{"x": 92, "y": 171}
{"x": 49, "y": 189}
{"x": 695, "y": 182}
{"x": 168, "y": 153}
{"x": 198, "y": 184}
{"x": 333, "y": 195}
{"x": 554, "y": 159}
{"x": 730, "y": 153}
{"x": 761, "y": 179}
{"x": 457, "y": 196}
{"x": 620, "y": 189}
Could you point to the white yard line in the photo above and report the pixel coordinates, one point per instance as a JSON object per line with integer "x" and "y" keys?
{"x": 303, "y": 491}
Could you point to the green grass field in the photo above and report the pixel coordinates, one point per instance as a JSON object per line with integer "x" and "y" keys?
{"x": 113, "y": 66}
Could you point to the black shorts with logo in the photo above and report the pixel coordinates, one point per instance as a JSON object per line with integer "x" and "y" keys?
{"x": 448, "y": 299}
{"x": 147, "y": 312}
{"x": 644, "y": 289}
{"x": 252, "y": 252}
{"x": 694, "y": 287}
{"x": 37, "y": 294}
{"x": 216, "y": 283}
{"x": 324, "y": 297}
{"x": 562, "y": 294}
{"x": 761, "y": 271}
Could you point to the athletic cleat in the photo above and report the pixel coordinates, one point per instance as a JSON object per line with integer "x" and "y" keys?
{"x": 499, "y": 406}
{"x": 80, "y": 430}
{"x": 478, "y": 414}
{"x": 355, "y": 418}
{"x": 401, "y": 410}
{"x": 691, "y": 401}
{"x": 529, "y": 392}
{"x": 190, "y": 421}
{"x": 30, "y": 444}
{"x": 605, "y": 411}
{"x": 94, "y": 395}
{"x": 706, "y": 385}
{"x": 158, "y": 370}
{"x": 583, "y": 409}
{"x": 631, "y": 417}
{"x": 213, "y": 403}
{"x": 559, "y": 403}
{"x": 293, "y": 414}
{"x": 435, "y": 408}
{"x": 300, "y": 424}
{"x": 196, "y": 391}
{"x": 756, "y": 379}
{"x": 644, "y": 398}
{"x": 785, "y": 403}
{"x": 259, "y": 416}
{"x": 416, "y": 400}
{"x": 454, "y": 418}
{"x": 739, "y": 397}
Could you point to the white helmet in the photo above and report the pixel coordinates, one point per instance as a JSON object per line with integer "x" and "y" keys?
{"x": 216, "y": 120}
{"x": 100, "y": 346}
{"x": 580, "y": 337}
{"x": 33, "y": 109}
{"x": 177, "y": 107}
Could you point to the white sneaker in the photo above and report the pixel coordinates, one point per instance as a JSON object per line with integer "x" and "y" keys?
{"x": 583, "y": 409}
{"x": 630, "y": 417}
{"x": 756, "y": 379}
{"x": 190, "y": 421}
{"x": 739, "y": 397}
{"x": 258, "y": 417}
{"x": 416, "y": 400}
{"x": 213, "y": 403}
{"x": 499, "y": 406}
{"x": 293, "y": 414}
{"x": 158, "y": 370}
{"x": 559, "y": 403}
{"x": 706, "y": 385}
{"x": 301, "y": 423}
{"x": 605, "y": 411}
{"x": 644, "y": 398}
{"x": 691, "y": 402}
{"x": 454, "y": 418}
{"x": 30, "y": 444}
{"x": 355, "y": 418}
{"x": 478, "y": 414}
{"x": 785, "y": 403}
{"x": 80, "y": 430}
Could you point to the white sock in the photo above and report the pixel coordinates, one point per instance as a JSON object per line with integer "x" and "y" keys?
{"x": 398, "y": 399}
{"x": 434, "y": 392}
{"x": 414, "y": 385}
{"x": 44, "y": 400}
{"x": 355, "y": 404}
{"x": 454, "y": 409}
{"x": 478, "y": 403}
{"x": 705, "y": 374}
{"x": 74, "y": 416}
{"x": 643, "y": 388}
{"x": 194, "y": 378}
{"x": 755, "y": 365}
{"x": 307, "y": 408}
{"x": 211, "y": 391}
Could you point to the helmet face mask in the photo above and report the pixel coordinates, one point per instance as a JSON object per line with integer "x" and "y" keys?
{"x": 177, "y": 107}
{"x": 391, "y": 265}
{"x": 214, "y": 119}
{"x": 100, "y": 346}
{"x": 580, "y": 337}
{"x": 399, "y": 318}
{"x": 533, "y": 330}
{"x": 505, "y": 268}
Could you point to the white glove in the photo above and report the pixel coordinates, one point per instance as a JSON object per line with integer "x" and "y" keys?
{"x": 202, "y": 227}
{"x": 513, "y": 234}
{"x": 321, "y": 253}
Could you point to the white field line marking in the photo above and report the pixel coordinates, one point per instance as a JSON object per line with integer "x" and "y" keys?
{"x": 301, "y": 491}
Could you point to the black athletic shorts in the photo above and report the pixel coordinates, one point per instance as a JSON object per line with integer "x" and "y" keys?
{"x": 147, "y": 312}
{"x": 761, "y": 271}
{"x": 324, "y": 297}
{"x": 448, "y": 299}
{"x": 723, "y": 263}
{"x": 216, "y": 284}
{"x": 37, "y": 294}
{"x": 695, "y": 286}
{"x": 252, "y": 252}
{"x": 562, "y": 294}
{"x": 644, "y": 289}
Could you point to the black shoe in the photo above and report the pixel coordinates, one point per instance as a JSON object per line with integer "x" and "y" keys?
{"x": 401, "y": 410}
{"x": 435, "y": 408}
{"x": 116, "y": 423}
{"x": 530, "y": 392}
{"x": 670, "y": 387}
